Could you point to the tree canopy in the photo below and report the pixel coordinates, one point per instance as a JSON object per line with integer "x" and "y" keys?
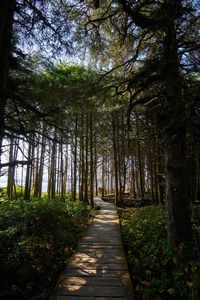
{"x": 123, "y": 124}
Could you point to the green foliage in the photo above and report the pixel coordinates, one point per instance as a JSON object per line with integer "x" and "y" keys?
{"x": 36, "y": 239}
{"x": 158, "y": 272}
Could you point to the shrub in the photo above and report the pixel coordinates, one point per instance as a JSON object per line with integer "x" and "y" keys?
{"x": 158, "y": 272}
{"x": 36, "y": 239}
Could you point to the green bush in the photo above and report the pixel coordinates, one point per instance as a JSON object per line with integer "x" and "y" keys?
{"x": 36, "y": 240}
{"x": 158, "y": 272}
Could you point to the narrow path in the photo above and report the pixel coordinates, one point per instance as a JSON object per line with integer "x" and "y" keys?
{"x": 98, "y": 268}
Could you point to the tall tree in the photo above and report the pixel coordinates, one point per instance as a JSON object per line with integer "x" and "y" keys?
{"x": 7, "y": 10}
{"x": 150, "y": 37}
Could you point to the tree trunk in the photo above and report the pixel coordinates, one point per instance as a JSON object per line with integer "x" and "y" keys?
{"x": 95, "y": 167}
{"x": 141, "y": 183}
{"x": 103, "y": 177}
{"x": 86, "y": 163}
{"x": 82, "y": 162}
{"x": 115, "y": 158}
{"x": 119, "y": 160}
{"x": 11, "y": 172}
{"x": 197, "y": 161}
{"x": 27, "y": 191}
{"x": 91, "y": 161}
{"x": 75, "y": 157}
{"x": 7, "y": 9}
{"x": 178, "y": 214}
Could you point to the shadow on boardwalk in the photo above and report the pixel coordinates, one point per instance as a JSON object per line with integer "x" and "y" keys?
{"x": 98, "y": 268}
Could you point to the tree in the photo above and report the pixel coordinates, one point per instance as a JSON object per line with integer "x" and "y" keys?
{"x": 7, "y": 9}
{"x": 33, "y": 22}
{"x": 156, "y": 27}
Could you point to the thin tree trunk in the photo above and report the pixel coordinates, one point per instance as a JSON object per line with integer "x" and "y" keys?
{"x": 27, "y": 190}
{"x": 95, "y": 168}
{"x": 86, "y": 163}
{"x": 119, "y": 160}
{"x": 82, "y": 161}
{"x": 103, "y": 177}
{"x": 133, "y": 174}
{"x": 75, "y": 157}
{"x": 115, "y": 158}
{"x": 91, "y": 161}
{"x": 141, "y": 183}
{"x": 10, "y": 182}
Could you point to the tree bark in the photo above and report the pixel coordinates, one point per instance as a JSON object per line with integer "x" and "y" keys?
{"x": 86, "y": 162}
{"x": 82, "y": 162}
{"x": 141, "y": 183}
{"x": 11, "y": 172}
{"x": 75, "y": 157}
{"x": 7, "y": 9}
{"x": 91, "y": 161}
{"x": 27, "y": 191}
{"x": 174, "y": 127}
{"x": 115, "y": 158}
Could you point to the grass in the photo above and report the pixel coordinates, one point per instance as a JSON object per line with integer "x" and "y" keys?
{"x": 36, "y": 240}
{"x": 157, "y": 271}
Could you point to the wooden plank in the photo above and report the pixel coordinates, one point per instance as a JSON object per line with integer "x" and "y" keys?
{"x": 91, "y": 260}
{"x": 98, "y": 268}
{"x": 101, "y": 239}
{"x": 95, "y": 291}
{"x": 85, "y": 298}
{"x": 76, "y": 280}
{"x": 93, "y": 272}
{"x": 98, "y": 252}
{"x": 107, "y": 233}
{"x": 99, "y": 246}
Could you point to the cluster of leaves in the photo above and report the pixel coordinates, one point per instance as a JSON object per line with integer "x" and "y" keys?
{"x": 158, "y": 271}
{"x": 36, "y": 240}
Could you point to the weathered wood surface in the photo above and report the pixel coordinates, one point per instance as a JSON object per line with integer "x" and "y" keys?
{"x": 98, "y": 268}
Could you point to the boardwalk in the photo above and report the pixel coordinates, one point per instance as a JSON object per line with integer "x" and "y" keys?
{"x": 98, "y": 268}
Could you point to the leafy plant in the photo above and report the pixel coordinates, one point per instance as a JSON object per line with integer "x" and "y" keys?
{"x": 158, "y": 272}
{"x": 36, "y": 240}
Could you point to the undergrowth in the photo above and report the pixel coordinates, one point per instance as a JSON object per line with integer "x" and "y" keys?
{"x": 157, "y": 271}
{"x": 36, "y": 240}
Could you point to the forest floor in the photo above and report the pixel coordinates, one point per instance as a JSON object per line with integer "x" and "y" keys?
{"x": 159, "y": 272}
{"x": 36, "y": 240}
{"x": 98, "y": 268}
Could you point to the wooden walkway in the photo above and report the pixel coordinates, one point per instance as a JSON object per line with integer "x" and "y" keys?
{"x": 98, "y": 268}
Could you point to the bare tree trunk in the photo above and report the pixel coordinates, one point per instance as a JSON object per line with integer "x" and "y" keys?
{"x": 197, "y": 160}
{"x": 139, "y": 157}
{"x": 91, "y": 161}
{"x": 119, "y": 160}
{"x": 86, "y": 162}
{"x": 103, "y": 177}
{"x": 58, "y": 174}
{"x": 7, "y": 9}
{"x": 62, "y": 194}
{"x": 75, "y": 157}
{"x": 52, "y": 169}
{"x": 133, "y": 174}
{"x": 115, "y": 158}
{"x": 11, "y": 172}
{"x": 178, "y": 214}
{"x": 82, "y": 161}
{"x": 95, "y": 167}
{"x": 65, "y": 171}
{"x": 27, "y": 192}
